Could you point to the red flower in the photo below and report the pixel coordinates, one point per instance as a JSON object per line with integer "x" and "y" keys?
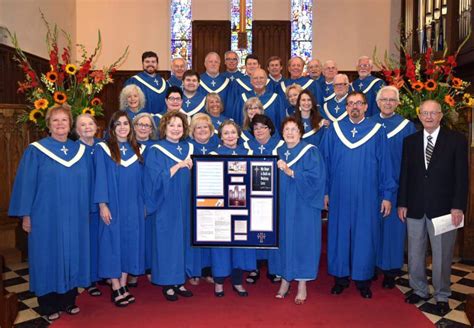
{"x": 65, "y": 56}
{"x": 53, "y": 56}
{"x": 83, "y": 71}
{"x": 451, "y": 60}
{"x": 98, "y": 76}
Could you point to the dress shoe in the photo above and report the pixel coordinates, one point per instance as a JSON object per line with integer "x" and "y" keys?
{"x": 415, "y": 298}
{"x": 181, "y": 291}
{"x": 170, "y": 297}
{"x": 442, "y": 308}
{"x": 388, "y": 282}
{"x": 240, "y": 293}
{"x": 365, "y": 292}
{"x": 219, "y": 294}
{"x": 337, "y": 289}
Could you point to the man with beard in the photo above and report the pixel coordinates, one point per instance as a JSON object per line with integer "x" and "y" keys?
{"x": 360, "y": 185}
{"x": 151, "y": 83}
{"x": 178, "y": 67}
{"x": 368, "y": 84}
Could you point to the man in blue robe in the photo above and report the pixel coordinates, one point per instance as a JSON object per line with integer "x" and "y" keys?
{"x": 231, "y": 62}
{"x": 295, "y": 68}
{"x": 335, "y": 108}
{"x": 315, "y": 69}
{"x": 213, "y": 81}
{"x": 272, "y": 102}
{"x": 392, "y": 244}
{"x": 326, "y": 86}
{"x": 151, "y": 83}
{"x": 360, "y": 186}
{"x": 368, "y": 84}
{"x": 193, "y": 101}
{"x": 178, "y": 67}
{"x": 243, "y": 84}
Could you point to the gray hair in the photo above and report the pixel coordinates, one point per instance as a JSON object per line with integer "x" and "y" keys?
{"x": 154, "y": 129}
{"x": 388, "y": 88}
{"x": 126, "y": 92}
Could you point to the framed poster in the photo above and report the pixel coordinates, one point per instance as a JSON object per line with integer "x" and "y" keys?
{"x": 234, "y": 201}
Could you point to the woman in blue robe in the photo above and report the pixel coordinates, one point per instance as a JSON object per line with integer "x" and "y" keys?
{"x": 228, "y": 261}
{"x": 132, "y": 100}
{"x": 167, "y": 190}
{"x": 292, "y": 92}
{"x": 307, "y": 112}
{"x": 252, "y": 107}
{"x": 301, "y": 199}
{"x": 86, "y": 129}
{"x": 119, "y": 193}
{"x": 51, "y": 194}
{"x": 215, "y": 108}
{"x": 266, "y": 141}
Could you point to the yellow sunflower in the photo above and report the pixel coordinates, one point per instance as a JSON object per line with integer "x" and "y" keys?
{"x": 71, "y": 69}
{"x": 96, "y": 102}
{"x": 59, "y": 97}
{"x": 449, "y": 100}
{"x": 431, "y": 85}
{"x": 466, "y": 97}
{"x": 41, "y": 103}
{"x": 52, "y": 76}
{"x": 417, "y": 85}
{"x": 470, "y": 102}
{"x": 418, "y": 110}
{"x": 35, "y": 114}
{"x": 88, "y": 110}
{"x": 456, "y": 82}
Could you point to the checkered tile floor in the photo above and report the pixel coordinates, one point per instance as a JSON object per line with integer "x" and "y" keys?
{"x": 16, "y": 279}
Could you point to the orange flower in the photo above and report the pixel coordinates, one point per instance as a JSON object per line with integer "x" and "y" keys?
{"x": 41, "y": 103}
{"x": 449, "y": 100}
{"x": 417, "y": 85}
{"x": 59, "y": 97}
{"x": 431, "y": 85}
{"x": 96, "y": 102}
{"x": 52, "y": 76}
{"x": 398, "y": 84}
{"x": 457, "y": 82}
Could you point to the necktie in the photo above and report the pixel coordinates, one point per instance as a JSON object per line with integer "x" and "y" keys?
{"x": 429, "y": 149}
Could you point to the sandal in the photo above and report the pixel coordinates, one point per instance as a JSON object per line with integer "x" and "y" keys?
{"x": 253, "y": 277}
{"x": 182, "y": 291}
{"x": 53, "y": 316}
{"x": 130, "y": 298}
{"x": 121, "y": 302}
{"x": 72, "y": 309}
{"x": 94, "y": 291}
{"x": 283, "y": 295}
{"x": 169, "y": 293}
{"x": 273, "y": 278}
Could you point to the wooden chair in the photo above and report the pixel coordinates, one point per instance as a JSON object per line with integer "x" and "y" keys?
{"x": 8, "y": 303}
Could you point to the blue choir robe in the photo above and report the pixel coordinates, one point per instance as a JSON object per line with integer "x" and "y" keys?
{"x": 305, "y": 83}
{"x": 122, "y": 242}
{"x": 205, "y": 148}
{"x": 174, "y": 81}
{"x": 195, "y": 104}
{"x": 241, "y": 85}
{"x": 359, "y": 177}
{"x": 149, "y": 218}
{"x": 245, "y": 137}
{"x": 217, "y": 121}
{"x": 233, "y": 75}
{"x": 320, "y": 79}
{"x": 290, "y": 110}
{"x": 369, "y": 86}
{"x": 94, "y": 217}
{"x": 223, "y": 260}
{"x": 154, "y": 88}
{"x": 326, "y": 90}
{"x": 52, "y": 187}
{"x": 312, "y": 136}
{"x": 301, "y": 200}
{"x": 167, "y": 199}
{"x": 220, "y": 85}
{"x": 334, "y": 109}
{"x": 273, "y": 106}
{"x": 392, "y": 245}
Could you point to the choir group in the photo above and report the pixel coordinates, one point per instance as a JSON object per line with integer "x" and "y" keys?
{"x": 119, "y": 207}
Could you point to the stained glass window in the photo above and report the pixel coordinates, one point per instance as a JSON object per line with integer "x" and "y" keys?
{"x": 181, "y": 29}
{"x": 235, "y": 25}
{"x": 302, "y": 28}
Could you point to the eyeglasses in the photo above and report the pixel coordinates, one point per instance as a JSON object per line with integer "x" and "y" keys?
{"x": 144, "y": 126}
{"x": 355, "y": 103}
{"x": 253, "y": 107}
{"x": 429, "y": 114}
{"x": 174, "y": 99}
{"x": 364, "y": 66}
{"x": 340, "y": 84}
{"x": 231, "y": 59}
{"x": 388, "y": 100}
{"x": 260, "y": 127}
{"x": 118, "y": 123}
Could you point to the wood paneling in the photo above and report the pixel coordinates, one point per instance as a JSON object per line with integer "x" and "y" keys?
{"x": 272, "y": 38}
{"x": 209, "y": 36}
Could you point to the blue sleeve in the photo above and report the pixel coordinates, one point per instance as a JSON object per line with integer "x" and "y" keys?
{"x": 101, "y": 190}
{"x": 156, "y": 180}
{"x": 387, "y": 184}
{"x": 310, "y": 178}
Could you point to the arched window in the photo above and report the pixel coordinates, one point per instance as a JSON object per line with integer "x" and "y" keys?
{"x": 235, "y": 25}
{"x": 181, "y": 29}
{"x": 302, "y": 28}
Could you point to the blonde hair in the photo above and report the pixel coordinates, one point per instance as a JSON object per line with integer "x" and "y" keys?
{"x": 65, "y": 108}
{"x": 253, "y": 101}
{"x": 199, "y": 118}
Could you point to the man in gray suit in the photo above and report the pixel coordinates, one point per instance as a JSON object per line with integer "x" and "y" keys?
{"x": 433, "y": 182}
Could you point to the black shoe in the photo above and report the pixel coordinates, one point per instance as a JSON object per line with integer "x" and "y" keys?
{"x": 415, "y": 298}
{"x": 337, "y": 289}
{"x": 253, "y": 277}
{"x": 388, "y": 282}
{"x": 442, "y": 308}
{"x": 365, "y": 292}
{"x": 130, "y": 298}
{"x": 169, "y": 297}
{"x": 133, "y": 284}
{"x": 274, "y": 279}
{"x": 93, "y": 291}
{"x": 219, "y": 294}
{"x": 240, "y": 293}
{"x": 181, "y": 291}
{"x": 122, "y": 302}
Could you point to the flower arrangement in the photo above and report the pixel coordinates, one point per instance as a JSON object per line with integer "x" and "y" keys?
{"x": 423, "y": 77}
{"x": 76, "y": 84}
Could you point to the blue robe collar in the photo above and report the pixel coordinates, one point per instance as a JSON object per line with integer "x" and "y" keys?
{"x": 293, "y": 155}
{"x": 176, "y": 151}
{"x": 270, "y": 147}
{"x": 174, "y": 81}
{"x": 393, "y": 125}
{"x": 365, "y": 85}
{"x": 195, "y": 104}
{"x": 239, "y": 150}
{"x": 65, "y": 153}
{"x": 127, "y": 155}
{"x": 302, "y": 81}
{"x": 157, "y": 84}
{"x": 216, "y": 84}
{"x": 355, "y": 135}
